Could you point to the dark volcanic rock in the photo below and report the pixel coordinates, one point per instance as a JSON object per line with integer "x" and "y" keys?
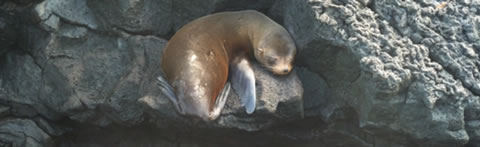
{"x": 76, "y": 69}
{"x": 8, "y": 31}
{"x": 372, "y": 59}
{"x": 368, "y": 73}
{"x": 22, "y": 132}
{"x": 279, "y": 99}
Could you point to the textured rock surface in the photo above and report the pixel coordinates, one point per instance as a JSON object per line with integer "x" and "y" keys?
{"x": 81, "y": 65}
{"x": 369, "y": 73}
{"x": 22, "y": 132}
{"x": 8, "y": 29}
{"x": 279, "y": 100}
{"x": 406, "y": 68}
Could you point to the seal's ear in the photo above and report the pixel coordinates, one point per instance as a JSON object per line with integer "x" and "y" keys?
{"x": 243, "y": 81}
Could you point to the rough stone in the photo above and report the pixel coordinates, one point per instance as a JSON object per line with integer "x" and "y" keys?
{"x": 8, "y": 32}
{"x": 399, "y": 88}
{"x": 72, "y": 70}
{"x": 368, "y": 73}
{"x": 4, "y": 110}
{"x": 279, "y": 99}
{"x": 186, "y": 10}
{"x": 152, "y": 17}
{"x": 22, "y": 132}
{"x": 73, "y": 11}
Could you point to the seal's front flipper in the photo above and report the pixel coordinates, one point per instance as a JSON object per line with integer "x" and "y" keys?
{"x": 243, "y": 80}
{"x": 168, "y": 91}
{"x": 220, "y": 102}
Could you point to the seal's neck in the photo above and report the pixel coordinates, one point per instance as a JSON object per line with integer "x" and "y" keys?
{"x": 257, "y": 32}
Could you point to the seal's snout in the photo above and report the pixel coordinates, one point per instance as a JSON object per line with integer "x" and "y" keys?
{"x": 282, "y": 70}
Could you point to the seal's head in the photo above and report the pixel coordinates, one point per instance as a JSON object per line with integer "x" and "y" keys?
{"x": 276, "y": 52}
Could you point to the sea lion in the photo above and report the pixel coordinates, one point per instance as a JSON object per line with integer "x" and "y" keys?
{"x": 198, "y": 58}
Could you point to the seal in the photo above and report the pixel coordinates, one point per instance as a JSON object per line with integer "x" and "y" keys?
{"x": 198, "y": 58}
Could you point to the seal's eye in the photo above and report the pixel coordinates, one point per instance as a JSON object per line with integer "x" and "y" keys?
{"x": 271, "y": 61}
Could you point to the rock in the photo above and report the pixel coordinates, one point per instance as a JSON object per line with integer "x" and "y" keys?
{"x": 472, "y": 123}
{"x": 315, "y": 99}
{"x": 141, "y": 17}
{"x": 71, "y": 70}
{"x": 24, "y": 73}
{"x": 394, "y": 86}
{"x": 153, "y": 17}
{"x": 279, "y": 99}
{"x": 8, "y": 32}
{"x": 22, "y": 132}
{"x": 187, "y": 10}
{"x": 368, "y": 73}
{"x": 70, "y": 75}
{"x": 71, "y": 11}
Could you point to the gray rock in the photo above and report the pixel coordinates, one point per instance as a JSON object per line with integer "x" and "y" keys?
{"x": 8, "y": 32}
{"x": 315, "y": 98}
{"x": 142, "y": 17}
{"x": 394, "y": 86}
{"x": 22, "y": 132}
{"x": 4, "y": 110}
{"x": 72, "y": 70}
{"x": 279, "y": 100}
{"x": 187, "y": 10}
{"x": 50, "y": 128}
{"x": 152, "y": 17}
{"x": 72, "y": 11}
{"x": 22, "y": 92}
{"x": 368, "y": 73}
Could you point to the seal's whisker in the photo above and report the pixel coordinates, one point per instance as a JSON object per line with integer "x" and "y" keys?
{"x": 267, "y": 67}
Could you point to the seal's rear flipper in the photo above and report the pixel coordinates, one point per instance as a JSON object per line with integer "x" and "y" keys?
{"x": 168, "y": 91}
{"x": 220, "y": 102}
{"x": 243, "y": 80}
